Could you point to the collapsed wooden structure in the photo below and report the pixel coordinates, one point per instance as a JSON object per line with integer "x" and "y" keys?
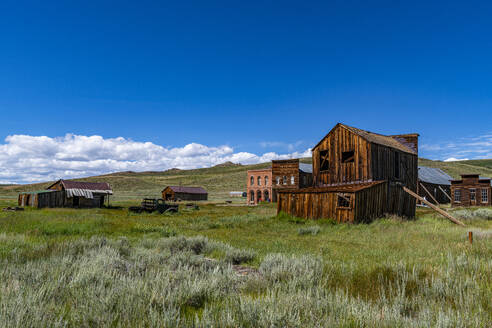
{"x": 357, "y": 176}
{"x": 177, "y": 193}
{"x": 471, "y": 190}
{"x": 66, "y": 193}
{"x": 434, "y": 184}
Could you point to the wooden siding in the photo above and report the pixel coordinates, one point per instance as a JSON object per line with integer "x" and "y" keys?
{"x": 169, "y": 194}
{"x": 467, "y": 183}
{"x": 435, "y": 191}
{"x": 365, "y": 203}
{"x": 288, "y": 168}
{"x": 337, "y": 141}
{"x": 58, "y": 198}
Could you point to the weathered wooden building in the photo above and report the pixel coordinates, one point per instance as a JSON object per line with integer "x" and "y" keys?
{"x": 471, "y": 190}
{"x": 434, "y": 185}
{"x": 290, "y": 174}
{"x": 66, "y": 193}
{"x": 177, "y": 193}
{"x": 357, "y": 176}
{"x": 259, "y": 185}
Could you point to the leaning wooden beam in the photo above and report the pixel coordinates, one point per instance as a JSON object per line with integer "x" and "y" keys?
{"x": 427, "y": 191}
{"x": 434, "y": 207}
{"x": 445, "y": 193}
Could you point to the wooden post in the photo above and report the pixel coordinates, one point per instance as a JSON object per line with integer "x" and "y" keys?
{"x": 445, "y": 193}
{"x": 434, "y": 207}
{"x": 470, "y": 236}
{"x": 427, "y": 191}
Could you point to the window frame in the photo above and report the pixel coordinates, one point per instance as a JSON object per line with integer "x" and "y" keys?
{"x": 342, "y": 198}
{"x": 457, "y": 196}
{"x": 324, "y": 159}
{"x": 259, "y": 180}
{"x": 252, "y": 180}
{"x": 473, "y": 191}
{"x": 347, "y": 157}
{"x": 266, "y": 180}
{"x": 485, "y": 192}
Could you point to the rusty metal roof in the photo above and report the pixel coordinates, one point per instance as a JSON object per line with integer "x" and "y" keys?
{"x": 349, "y": 187}
{"x": 69, "y": 184}
{"x": 376, "y": 138}
{"x": 187, "y": 190}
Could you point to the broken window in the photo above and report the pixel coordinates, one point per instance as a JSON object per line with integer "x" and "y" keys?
{"x": 457, "y": 195}
{"x": 343, "y": 200}
{"x": 473, "y": 194}
{"x": 324, "y": 162}
{"x": 348, "y": 156}
{"x": 278, "y": 180}
{"x": 397, "y": 165}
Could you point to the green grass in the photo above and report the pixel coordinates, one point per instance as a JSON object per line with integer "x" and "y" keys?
{"x": 388, "y": 273}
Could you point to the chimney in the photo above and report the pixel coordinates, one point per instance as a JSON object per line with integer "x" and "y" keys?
{"x": 410, "y": 140}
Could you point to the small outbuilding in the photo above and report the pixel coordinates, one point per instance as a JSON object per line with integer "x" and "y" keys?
{"x": 434, "y": 184}
{"x": 176, "y": 193}
{"x": 66, "y": 193}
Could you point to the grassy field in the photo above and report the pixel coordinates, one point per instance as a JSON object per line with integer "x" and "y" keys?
{"x": 108, "y": 267}
{"x": 111, "y": 268}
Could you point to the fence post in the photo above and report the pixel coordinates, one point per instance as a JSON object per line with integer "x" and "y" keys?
{"x": 470, "y": 236}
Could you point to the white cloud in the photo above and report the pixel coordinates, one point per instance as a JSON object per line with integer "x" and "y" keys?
{"x": 476, "y": 147}
{"x": 453, "y": 159}
{"x": 26, "y": 159}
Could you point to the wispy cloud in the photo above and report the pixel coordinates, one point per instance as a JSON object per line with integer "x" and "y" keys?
{"x": 474, "y": 147}
{"x": 281, "y": 145}
{"x": 26, "y": 159}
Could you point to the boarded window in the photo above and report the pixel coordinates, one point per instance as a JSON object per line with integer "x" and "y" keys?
{"x": 343, "y": 200}
{"x": 348, "y": 156}
{"x": 397, "y": 165}
{"x": 457, "y": 195}
{"x": 324, "y": 163}
{"x": 473, "y": 193}
{"x": 485, "y": 196}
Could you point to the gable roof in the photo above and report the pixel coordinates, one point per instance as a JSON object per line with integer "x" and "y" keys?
{"x": 68, "y": 184}
{"x": 372, "y": 137}
{"x": 187, "y": 190}
{"x": 434, "y": 175}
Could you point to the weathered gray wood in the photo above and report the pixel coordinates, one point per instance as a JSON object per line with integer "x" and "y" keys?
{"x": 445, "y": 193}
{"x": 434, "y": 207}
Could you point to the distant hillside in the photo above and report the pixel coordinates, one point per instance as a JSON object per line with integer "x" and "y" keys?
{"x": 218, "y": 180}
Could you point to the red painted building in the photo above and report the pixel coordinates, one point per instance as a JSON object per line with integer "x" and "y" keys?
{"x": 259, "y": 186}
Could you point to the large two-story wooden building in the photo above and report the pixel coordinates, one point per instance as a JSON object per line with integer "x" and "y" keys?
{"x": 357, "y": 176}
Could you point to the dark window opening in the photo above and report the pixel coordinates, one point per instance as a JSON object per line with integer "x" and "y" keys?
{"x": 348, "y": 156}
{"x": 76, "y": 201}
{"x": 472, "y": 194}
{"x": 397, "y": 165}
{"x": 457, "y": 195}
{"x": 324, "y": 162}
{"x": 343, "y": 201}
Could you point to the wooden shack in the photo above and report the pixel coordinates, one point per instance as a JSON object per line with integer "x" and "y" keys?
{"x": 434, "y": 185}
{"x": 471, "y": 190}
{"x": 290, "y": 174}
{"x": 357, "y": 176}
{"x": 177, "y": 193}
{"x": 66, "y": 193}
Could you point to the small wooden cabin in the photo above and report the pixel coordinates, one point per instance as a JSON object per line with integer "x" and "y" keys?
{"x": 66, "y": 193}
{"x": 290, "y": 174}
{"x": 356, "y": 159}
{"x": 176, "y": 193}
{"x": 471, "y": 190}
{"x": 434, "y": 185}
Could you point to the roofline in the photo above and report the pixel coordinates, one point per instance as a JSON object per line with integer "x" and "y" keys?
{"x": 59, "y": 180}
{"x": 286, "y": 160}
{"x": 257, "y": 170}
{"x": 389, "y": 136}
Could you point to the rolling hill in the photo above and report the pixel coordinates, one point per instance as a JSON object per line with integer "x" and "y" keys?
{"x": 218, "y": 180}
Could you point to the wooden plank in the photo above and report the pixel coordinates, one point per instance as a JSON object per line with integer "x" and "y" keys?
{"x": 445, "y": 193}
{"x": 427, "y": 191}
{"x": 434, "y": 207}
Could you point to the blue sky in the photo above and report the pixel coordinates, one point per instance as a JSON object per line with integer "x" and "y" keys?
{"x": 255, "y": 78}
